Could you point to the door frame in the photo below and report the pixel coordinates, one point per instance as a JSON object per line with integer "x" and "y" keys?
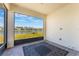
{"x": 29, "y": 40}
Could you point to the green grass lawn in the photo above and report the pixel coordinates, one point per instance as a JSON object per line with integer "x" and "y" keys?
{"x": 1, "y": 39}
{"x": 25, "y": 36}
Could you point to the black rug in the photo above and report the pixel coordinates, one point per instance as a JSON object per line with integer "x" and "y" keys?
{"x": 43, "y": 49}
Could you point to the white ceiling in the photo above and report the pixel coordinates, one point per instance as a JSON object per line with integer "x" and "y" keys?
{"x": 44, "y": 8}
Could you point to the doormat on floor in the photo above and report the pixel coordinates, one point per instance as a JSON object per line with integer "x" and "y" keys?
{"x": 43, "y": 49}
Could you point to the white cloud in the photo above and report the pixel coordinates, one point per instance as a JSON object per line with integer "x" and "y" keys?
{"x": 1, "y": 18}
{"x": 20, "y": 15}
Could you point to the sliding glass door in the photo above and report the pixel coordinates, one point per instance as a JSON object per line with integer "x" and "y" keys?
{"x": 2, "y": 28}
{"x": 27, "y": 28}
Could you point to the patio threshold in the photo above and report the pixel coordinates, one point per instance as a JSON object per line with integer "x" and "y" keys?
{"x": 29, "y": 40}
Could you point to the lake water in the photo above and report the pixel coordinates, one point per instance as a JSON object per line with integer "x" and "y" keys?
{"x": 19, "y": 32}
{"x": 22, "y": 32}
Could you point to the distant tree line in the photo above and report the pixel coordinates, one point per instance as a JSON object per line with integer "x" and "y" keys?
{"x": 28, "y": 29}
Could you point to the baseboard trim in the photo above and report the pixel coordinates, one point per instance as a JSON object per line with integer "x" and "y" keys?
{"x": 60, "y": 46}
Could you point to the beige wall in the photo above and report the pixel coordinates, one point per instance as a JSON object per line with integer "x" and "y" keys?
{"x": 15, "y": 8}
{"x": 10, "y": 40}
{"x": 68, "y": 19}
{"x": 7, "y": 5}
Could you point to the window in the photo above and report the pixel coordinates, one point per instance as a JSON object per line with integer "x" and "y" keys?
{"x": 1, "y": 26}
{"x": 28, "y": 27}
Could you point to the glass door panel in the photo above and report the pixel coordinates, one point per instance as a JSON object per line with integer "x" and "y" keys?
{"x": 27, "y": 27}
{"x": 2, "y": 28}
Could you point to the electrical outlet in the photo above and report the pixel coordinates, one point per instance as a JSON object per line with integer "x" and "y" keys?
{"x": 61, "y": 28}
{"x": 60, "y": 38}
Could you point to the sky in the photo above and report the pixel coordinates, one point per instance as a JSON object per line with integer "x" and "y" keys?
{"x": 28, "y": 21}
{"x": 23, "y": 20}
{"x": 1, "y": 17}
